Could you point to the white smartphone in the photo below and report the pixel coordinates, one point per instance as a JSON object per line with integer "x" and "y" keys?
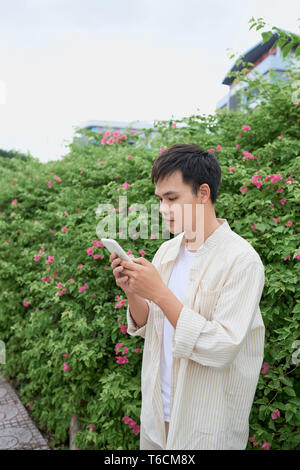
{"x": 114, "y": 246}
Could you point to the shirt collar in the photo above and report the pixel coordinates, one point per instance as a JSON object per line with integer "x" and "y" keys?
{"x": 211, "y": 241}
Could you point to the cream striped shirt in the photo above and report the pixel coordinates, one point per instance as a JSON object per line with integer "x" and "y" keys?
{"x": 217, "y": 347}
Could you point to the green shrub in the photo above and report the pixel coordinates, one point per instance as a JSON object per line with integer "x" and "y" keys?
{"x": 259, "y": 197}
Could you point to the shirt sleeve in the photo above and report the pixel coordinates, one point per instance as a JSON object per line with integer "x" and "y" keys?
{"x": 132, "y": 328}
{"x": 216, "y": 342}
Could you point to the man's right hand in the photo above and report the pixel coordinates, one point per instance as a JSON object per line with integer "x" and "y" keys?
{"x": 121, "y": 280}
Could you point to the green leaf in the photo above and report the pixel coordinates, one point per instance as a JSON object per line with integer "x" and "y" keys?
{"x": 297, "y": 51}
{"x": 289, "y": 391}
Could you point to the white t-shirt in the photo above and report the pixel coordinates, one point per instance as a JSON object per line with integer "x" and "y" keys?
{"x": 178, "y": 284}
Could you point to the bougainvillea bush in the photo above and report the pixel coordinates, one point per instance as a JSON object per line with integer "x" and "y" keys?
{"x": 62, "y": 316}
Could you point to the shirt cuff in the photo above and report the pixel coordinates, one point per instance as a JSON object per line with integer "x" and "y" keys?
{"x": 187, "y": 331}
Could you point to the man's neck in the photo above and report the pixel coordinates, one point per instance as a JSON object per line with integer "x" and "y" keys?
{"x": 208, "y": 231}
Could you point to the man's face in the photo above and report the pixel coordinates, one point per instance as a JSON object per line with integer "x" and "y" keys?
{"x": 178, "y": 208}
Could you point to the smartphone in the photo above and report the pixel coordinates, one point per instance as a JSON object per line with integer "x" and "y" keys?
{"x": 114, "y": 246}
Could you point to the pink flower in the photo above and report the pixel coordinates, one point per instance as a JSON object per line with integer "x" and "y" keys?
{"x": 136, "y": 429}
{"x": 66, "y": 367}
{"x": 90, "y": 250}
{"x": 243, "y": 190}
{"x": 152, "y": 236}
{"x": 25, "y": 303}
{"x": 142, "y": 252}
{"x": 129, "y": 157}
{"x": 50, "y": 184}
{"x": 121, "y": 303}
{"x": 280, "y": 137}
{"x": 80, "y": 266}
{"x": 64, "y": 229}
{"x": 275, "y": 178}
{"x": 289, "y": 223}
{"x": 256, "y": 443}
{"x": 265, "y": 368}
{"x": 133, "y": 132}
{"x": 71, "y": 280}
{"x": 251, "y": 439}
{"x": 218, "y": 147}
{"x": 60, "y": 292}
{"x": 280, "y": 190}
{"x": 275, "y": 414}
{"x": 123, "y": 328}
{"x": 124, "y": 137}
{"x": 297, "y": 256}
{"x": 210, "y": 150}
{"x": 66, "y": 354}
{"x": 126, "y": 185}
{"x": 118, "y": 346}
{"x": 83, "y": 288}
{"x": 287, "y": 257}
{"x": 122, "y": 360}
{"x": 92, "y": 428}
{"x": 245, "y": 128}
{"x": 282, "y": 201}
{"x": 266, "y": 446}
{"x": 125, "y": 350}
{"x": 57, "y": 178}
{"x": 271, "y": 153}
{"x": 132, "y": 424}
{"x": 253, "y": 227}
{"x": 137, "y": 350}
{"x": 276, "y": 220}
{"x": 232, "y": 169}
{"x": 290, "y": 180}
{"x": 237, "y": 146}
{"x": 46, "y": 279}
{"x": 255, "y": 181}
{"x": 174, "y": 124}
{"x": 50, "y": 259}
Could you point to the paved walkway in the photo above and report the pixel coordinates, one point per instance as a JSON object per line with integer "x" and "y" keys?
{"x": 17, "y": 431}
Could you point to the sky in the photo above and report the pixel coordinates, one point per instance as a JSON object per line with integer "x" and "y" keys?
{"x": 63, "y": 62}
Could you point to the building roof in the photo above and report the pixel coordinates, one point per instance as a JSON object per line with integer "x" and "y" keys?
{"x": 252, "y": 55}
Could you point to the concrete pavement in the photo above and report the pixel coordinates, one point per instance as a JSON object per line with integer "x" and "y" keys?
{"x": 17, "y": 430}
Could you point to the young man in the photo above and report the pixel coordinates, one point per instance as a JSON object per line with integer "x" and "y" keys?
{"x": 197, "y": 307}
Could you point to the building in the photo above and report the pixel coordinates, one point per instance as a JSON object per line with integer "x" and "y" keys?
{"x": 123, "y": 126}
{"x": 264, "y": 58}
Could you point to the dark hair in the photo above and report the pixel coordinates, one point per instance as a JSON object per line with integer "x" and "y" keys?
{"x": 197, "y": 166}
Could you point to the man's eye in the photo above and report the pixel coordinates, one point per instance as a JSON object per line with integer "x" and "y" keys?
{"x": 170, "y": 199}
